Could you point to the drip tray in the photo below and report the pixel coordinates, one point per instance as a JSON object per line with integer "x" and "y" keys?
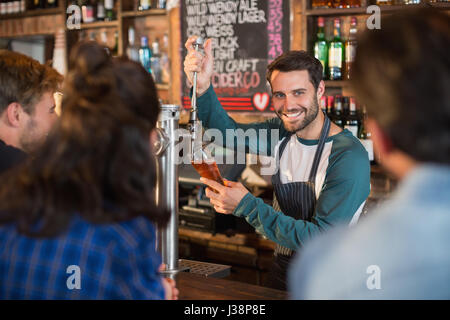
{"x": 206, "y": 269}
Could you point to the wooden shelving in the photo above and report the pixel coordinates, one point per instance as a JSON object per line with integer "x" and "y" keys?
{"x": 32, "y": 13}
{"x": 337, "y": 83}
{"x": 151, "y": 12}
{"x": 363, "y": 10}
{"x": 100, "y": 24}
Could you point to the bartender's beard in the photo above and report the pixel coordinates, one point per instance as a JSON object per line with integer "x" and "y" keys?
{"x": 310, "y": 115}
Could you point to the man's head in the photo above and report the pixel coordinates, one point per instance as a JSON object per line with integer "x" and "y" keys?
{"x": 402, "y": 74}
{"x": 27, "y": 106}
{"x": 295, "y": 78}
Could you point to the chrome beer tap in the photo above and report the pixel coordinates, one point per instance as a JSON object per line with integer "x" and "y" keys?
{"x": 195, "y": 124}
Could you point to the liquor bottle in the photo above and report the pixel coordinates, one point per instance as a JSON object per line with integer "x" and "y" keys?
{"x": 335, "y": 53}
{"x": 352, "y": 121}
{"x": 384, "y": 2}
{"x": 350, "y": 49}
{"x": 2, "y": 7}
{"x": 87, "y": 11}
{"x": 51, "y": 4}
{"x": 144, "y": 5}
{"x": 115, "y": 49}
{"x": 161, "y": 4}
{"x": 337, "y": 114}
{"x": 38, "y": 4}
{"x": 345, "y": 109}
{"x": 316, "y": 4}
{"x": 323, "y": 103}
{"x": 16, "y": 6}
{"x": 132, "y": 49}
{"x": 321, "y": 46}
{"x": 104, "y": 41}
{"x": 100, "y": 11}
{"x": 330, "y": 107}
{"x": 145, "y": 54}
{"x": 165, "y": 62}
{"x": 155, "y": 62}
{"x": 109, "y": 10}
{"x": 353, "y": 3}
{"x": 338, "y": 3}
{"x": 365, "y": 136}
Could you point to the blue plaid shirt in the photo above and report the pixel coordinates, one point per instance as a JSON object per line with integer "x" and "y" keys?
{"x": 88, "y": 261}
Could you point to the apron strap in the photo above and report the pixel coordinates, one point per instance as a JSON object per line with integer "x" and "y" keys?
{"x": 323, "y": 137}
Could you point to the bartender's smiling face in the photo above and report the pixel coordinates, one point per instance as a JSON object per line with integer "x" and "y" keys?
{"x": 294, "y": 99}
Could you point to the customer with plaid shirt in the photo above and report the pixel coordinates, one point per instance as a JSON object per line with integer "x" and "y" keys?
{"x": 76, "y": 221}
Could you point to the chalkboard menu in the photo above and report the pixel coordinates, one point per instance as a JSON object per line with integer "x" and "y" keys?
{"x": 246, "y": 36}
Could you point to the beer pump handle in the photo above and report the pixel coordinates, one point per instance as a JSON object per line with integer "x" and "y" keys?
{"x": 194, "y": 123}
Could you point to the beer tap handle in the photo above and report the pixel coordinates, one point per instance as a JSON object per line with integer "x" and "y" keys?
{"x": 194, "y": 123}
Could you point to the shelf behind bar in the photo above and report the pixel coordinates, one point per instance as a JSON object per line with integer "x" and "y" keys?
{"x": 151, "y": 12}
{"x": 32, "y": 13}
{"x": 337, "y": 83}
{"x": 99, "y": 24}
{"x": 384, "y": 9}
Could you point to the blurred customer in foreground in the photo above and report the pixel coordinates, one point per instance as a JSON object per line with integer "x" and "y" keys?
{"x": 402, "y": 74}
{"x": 27, "y": 106}
{"x": 77, "y": 219}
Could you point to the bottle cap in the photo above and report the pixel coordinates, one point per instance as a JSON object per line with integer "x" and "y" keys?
{"x": 321, "y": 22}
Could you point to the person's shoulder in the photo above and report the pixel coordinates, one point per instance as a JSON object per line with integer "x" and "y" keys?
{"x": 127, "y": 234}
{"x": 348, "y": 157}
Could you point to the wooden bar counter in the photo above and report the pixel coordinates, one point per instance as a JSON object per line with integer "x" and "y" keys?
{"x": 198, "y": 287}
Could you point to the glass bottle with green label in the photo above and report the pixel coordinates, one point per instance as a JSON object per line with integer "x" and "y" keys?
{"x": 321, "y": 46}
{"x": 336, "y": 53}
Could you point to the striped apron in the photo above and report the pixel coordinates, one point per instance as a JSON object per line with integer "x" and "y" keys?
{"x": 297, "y": 200}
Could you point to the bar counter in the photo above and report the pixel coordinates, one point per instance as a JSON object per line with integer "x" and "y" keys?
{"x": 198, "y": 287}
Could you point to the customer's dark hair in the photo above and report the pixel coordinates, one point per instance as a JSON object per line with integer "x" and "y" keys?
{"x": 98, "y": 161}
{"x": 297, "y": 61}
{"x": 402, "y": 74}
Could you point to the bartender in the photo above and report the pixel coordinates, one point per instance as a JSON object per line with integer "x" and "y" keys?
{"x": 323, "y": 172}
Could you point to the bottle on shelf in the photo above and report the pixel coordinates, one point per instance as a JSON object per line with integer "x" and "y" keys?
{"x": 365, "y": 136}
{"x": 145, "y": 5}
{"x": 165, "y": 62}
{"x": 23, "y": 5}
{"x": 38, "y": 4}
{"x": 384, "y": 2}
{"x": 319, "y": 4}
{"x": 353, "y": 3}
{"x": 350, "y": 49}
{"x": 145, "y": 54}
{"x": 155, "y": 62}
{"x": 87, "y": 11}
{"x": 100, "y": 11}
{"x": 352, "y": 121}
{"x": 132, "y": 50}
{"x": 115, "y": 49}
{"x": 337, "y": 114}
{"x": 51, "y": 4}
{"x": 104, "y": 41}
{"x": 2, "y": 7}
{"x": 321, "y": 46}
{"x": 109, "y": 10}
{"x": 161, "y": 4}
{"x": 330, "y": 107}
{"x": 335, "y": 53}
{"x": 323, "y": 104}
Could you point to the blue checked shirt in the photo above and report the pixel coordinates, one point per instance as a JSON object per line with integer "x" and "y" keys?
{"x": 88, "y": 261}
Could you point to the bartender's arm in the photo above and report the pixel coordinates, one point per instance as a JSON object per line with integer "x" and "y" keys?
{"x": 210, "y": 111}
{"x": 345, "y": 189}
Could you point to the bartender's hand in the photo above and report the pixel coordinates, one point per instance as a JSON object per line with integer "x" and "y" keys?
{"x": 227, "y": 197}
{"x": 169, "y": 285}
{"x": 203, "y": 64}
